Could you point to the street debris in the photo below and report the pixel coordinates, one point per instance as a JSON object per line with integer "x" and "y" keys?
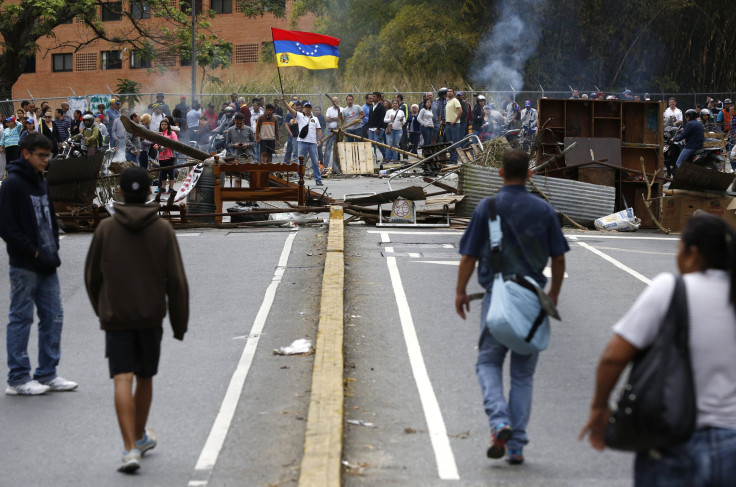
{"x": 355, "y": 468}
{"x": 360, "y": 422}
{"x": 301, "y": 346}
{"x": 622, "y": 221}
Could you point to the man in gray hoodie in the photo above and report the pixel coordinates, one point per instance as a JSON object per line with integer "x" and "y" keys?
{"x": 133, "y": 266}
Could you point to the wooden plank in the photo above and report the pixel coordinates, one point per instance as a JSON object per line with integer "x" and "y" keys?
{"x": 414, "y": 193}
{"x": 461, "y": 155}
{"x": 321, "y": 461}
{"x": 356, "y": 157}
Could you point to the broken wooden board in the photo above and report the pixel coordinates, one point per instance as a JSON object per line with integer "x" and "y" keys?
{"x": 413, "y": 193}
{"x": 440, "y": 201}
{"x": 355, "y": 157}
{"x": 462, "y": 155}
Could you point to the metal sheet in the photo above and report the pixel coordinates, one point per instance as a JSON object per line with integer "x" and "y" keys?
{"x": 690, "y": 176}
{"x": 583, "y": 202}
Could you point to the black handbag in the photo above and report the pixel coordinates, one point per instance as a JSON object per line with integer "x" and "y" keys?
{"x": 657, "y": 407}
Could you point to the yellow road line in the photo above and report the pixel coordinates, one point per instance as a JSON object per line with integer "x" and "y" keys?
{"x": 323, "y": 439}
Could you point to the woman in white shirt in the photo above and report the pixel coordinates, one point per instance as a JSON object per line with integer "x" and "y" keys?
{"x": 426, "y": 119}
{"x": 706, "y": 256}
{"x": 394, "y": 120}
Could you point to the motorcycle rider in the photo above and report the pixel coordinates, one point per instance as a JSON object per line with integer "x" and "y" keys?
{"x": 226, "y": 121}
{"x": 694, "y": 135}
{"x": 91, "y": 134}
{"x": 707, "y": 120}
{"x": 438, "y": 110}
{"x": 479, "y": 114}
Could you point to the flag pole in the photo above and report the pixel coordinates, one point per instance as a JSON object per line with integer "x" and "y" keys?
{"x": 277, "y": 64}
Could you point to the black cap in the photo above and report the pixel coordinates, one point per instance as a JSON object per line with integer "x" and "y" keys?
{"x": 135, "y": 180}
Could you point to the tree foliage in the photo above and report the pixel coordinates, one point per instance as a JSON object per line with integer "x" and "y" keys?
{"x": 24, "y": 22}
{"x": 640, "y": 44}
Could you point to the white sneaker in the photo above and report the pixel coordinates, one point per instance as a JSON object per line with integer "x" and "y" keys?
{"x": 60, "y": 384}
{"x": 30, "y": 388}
{"x": 130, "y": 462}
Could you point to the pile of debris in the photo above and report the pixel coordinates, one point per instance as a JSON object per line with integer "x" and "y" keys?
{"x": 492, "y": 155}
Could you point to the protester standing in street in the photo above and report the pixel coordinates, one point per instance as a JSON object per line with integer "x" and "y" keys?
{"x": 310, "y": 136}
{"x": 267, "y": 134}
{"x": 453, "y": 115}
{"x": 28, "y": 226}
{"x": 705, "y": 259}
{"x": 166, "y": 158}
{"x": 133, "y": 270}
{"x": 531, "y": 235}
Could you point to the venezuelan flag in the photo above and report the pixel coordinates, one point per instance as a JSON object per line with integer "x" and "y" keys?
{"x": 311, "y": 51}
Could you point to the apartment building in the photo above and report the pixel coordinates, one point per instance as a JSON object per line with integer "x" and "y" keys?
{"x": 61, "y": 72}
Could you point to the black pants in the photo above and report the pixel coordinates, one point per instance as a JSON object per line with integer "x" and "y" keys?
{"x": 166, "y": 173}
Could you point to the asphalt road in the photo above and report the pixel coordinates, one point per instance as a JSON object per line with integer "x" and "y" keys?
{"x": 72, "y": 439}
{"x": 420, "y": 395}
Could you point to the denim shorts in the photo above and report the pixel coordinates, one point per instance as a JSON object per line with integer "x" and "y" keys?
{"x": 135, "y": 351}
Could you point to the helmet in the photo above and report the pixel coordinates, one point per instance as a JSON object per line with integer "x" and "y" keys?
{"x": 727, "y": 101}
{"x": 691, "y": 114}
{"x": 229, "y": 110}
{"x": 88, "y": 118}
{"x": 442, "y": 91}
{"x": 704, "y": 111}
{"x": 527, "y": 103}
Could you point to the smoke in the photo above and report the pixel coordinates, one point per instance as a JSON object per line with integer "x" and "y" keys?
{"x": 504, "y": 50}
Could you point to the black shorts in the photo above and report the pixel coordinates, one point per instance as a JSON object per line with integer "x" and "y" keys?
{"x": 268, "y": 146}
{"x": 134, "y": 351}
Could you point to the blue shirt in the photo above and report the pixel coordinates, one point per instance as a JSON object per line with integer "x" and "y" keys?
{"x": 694, "y": 135}
{"x": 531, "y": 235}
{"x": 366, "y": 113}
{"x": 11, "y": 135}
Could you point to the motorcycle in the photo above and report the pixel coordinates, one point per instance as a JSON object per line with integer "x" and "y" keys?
{"x": 671, "y": 150}
{"x": 72, "y": 147}
{"x": 708, "y": 157}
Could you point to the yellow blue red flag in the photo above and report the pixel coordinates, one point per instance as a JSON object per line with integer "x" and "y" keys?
{"x": 305, "y": 49}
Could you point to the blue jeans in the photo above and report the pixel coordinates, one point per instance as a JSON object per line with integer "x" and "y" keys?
{"x": 358, "y": 132}
{"x": 427, "y": 135}
{"x": 257, "y": 153}
{"x": 130, "y": 157}
{"x": 311, "y": 149}
{"x": 453, "y": 133}
{"x": 377, "y": 136}
{"x": 290, "y": 148}
{"x": 684, "y": 156}
{"x": 328, "y": 154}
{"x": 707, "y": 459}
{"x": 489, "y": 369}
{"x": 26, "y": 288}
{"x": 393, "y": 140}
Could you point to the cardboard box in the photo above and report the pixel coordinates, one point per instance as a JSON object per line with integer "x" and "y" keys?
{"x": 677, "y": 210}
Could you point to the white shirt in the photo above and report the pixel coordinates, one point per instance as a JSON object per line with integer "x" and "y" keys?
{"x": 254, "y": 117}
{"x": 395, "y": 118}
{"x": 156, "y": 121}
{"x": 352, "y": 113}
{"x": 712, "y": 338}
{"x": 303, "y": 120}
{"x": 332, "y": 112}
{"x": 677, "y": 113}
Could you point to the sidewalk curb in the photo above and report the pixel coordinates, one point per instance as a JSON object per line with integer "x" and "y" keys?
{"x": 323, "y": 438}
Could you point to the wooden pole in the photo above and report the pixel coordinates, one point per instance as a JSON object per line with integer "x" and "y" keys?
{"x": 395, "y": 149}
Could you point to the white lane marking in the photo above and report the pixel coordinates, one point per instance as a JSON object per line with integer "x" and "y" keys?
{"x": 446, "y": 466}
{"x": 414, "y": 255}
{"x": 189, "y": 234}
{"x": 448, "y": 246}
{"x": 634, "y": 251}
{"x": 216, "y": 438}
{"x": 547, "y": 270}
{"x": 399, "y": 232}
{"x": 616, "y": 263}
{"x": 619, "y": 237}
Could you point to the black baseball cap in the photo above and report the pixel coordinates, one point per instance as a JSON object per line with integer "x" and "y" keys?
{"x": 135, "y": 180}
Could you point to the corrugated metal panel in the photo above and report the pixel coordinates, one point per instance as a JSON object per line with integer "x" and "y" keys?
{"x": 74, "y": 180}
{"x": 583, "y": 202}
{"x": 690, "y": 176}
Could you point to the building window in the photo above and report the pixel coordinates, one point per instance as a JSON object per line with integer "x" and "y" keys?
{"x": 185, "y": 60}
{"x": 186, "y": 6}
{"x": 112, "y": 60}
{"x": 139, "y": 61}
{"x": 222, "y": 6}
{"x": 247, "y": 53}
{"x": 85, "y": 61}
{"x": 62, "y": 62}
{"x": 112, "y": 11}
{"x": 30, "y": 64}
{"x": 68, "y": 21}
{"x": 167, "y": 59}
{"x": 140, "y": 10}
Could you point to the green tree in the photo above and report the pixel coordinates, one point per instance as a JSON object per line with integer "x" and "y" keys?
{"x": 24, "y": 22}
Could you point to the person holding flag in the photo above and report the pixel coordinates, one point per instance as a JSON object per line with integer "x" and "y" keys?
{"x": 310, "y": 135}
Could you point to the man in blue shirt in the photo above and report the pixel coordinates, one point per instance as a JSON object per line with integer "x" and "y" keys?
{"x": 531, "y": 235}
{"x": 694, "y": 135}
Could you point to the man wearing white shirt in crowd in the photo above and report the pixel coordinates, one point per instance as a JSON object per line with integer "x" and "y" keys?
{"x": 350, "y": 113}
{"x": 255, "y": 112}
{"x": 156, "y": 117}
{"x": 673, "y": 111}
{"x": 312, "y": 135}
{"x": 331, "y": 116}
